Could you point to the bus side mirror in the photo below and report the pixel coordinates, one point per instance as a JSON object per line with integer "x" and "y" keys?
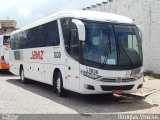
{"x": 81, "y": 29}
{"x": 141, "y": 33}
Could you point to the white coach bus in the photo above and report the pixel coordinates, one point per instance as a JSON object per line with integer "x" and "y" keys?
{"x": 4, "y": 52}
{"x": 87, "y": 52}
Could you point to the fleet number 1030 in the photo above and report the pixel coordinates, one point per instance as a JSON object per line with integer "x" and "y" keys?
{"x": 57, "y": 54}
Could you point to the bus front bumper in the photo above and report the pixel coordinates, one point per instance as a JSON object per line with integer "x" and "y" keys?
{"x": 90, "y": 86}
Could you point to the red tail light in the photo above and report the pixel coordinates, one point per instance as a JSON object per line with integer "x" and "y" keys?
{"x": 2, "y": 59}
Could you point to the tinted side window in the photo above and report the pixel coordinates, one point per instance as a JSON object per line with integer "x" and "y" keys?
{"x": 22, "y": 40}
{"x": 67, "y": 26}
{"x": 53, "y": 34}
{"x": 74, "y": 49}
{"x": 16, "y": 41}
{"x": 32, "y": 37}
{"x": 66, "y": 33}
{"x": 44, "y": 35}
{"x": 40, "y": 36}
{"x": 13, "y": 42}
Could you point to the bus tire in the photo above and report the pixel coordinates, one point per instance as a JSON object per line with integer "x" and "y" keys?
{"x": 22, "y": 78}
{"x": 59, "y": 86}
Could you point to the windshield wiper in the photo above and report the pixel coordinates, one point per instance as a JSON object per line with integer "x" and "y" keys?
{"x": 106, "y": 53}
{"x": 125, "y": 53}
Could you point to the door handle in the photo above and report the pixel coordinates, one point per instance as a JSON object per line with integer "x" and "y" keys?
{"x": 69, "y": 76}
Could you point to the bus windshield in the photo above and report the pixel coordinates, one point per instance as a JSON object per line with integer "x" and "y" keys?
{"x": 108, "y": 45}
{"x": 6, "y": 40}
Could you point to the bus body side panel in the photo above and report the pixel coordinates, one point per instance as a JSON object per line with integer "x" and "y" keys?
{"x": 39, "y": 68}
{"x": 14, "y": 65}
{"x": 52, "y": 59}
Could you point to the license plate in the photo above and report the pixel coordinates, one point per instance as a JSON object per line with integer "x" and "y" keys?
{"x": 117, "y": 91}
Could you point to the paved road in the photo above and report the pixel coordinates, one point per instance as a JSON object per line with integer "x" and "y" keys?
{"x": 154, "y": 84}
{"x": 39, "y": 98}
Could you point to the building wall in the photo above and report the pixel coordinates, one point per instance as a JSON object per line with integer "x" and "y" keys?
{"x": 146, "y": 13}
{"x": 7, "y": 26}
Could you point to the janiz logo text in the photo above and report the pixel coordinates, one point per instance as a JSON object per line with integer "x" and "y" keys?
{"x": 37, "y": 55}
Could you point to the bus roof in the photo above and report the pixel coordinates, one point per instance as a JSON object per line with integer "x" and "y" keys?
{"x": 81, "y": 14}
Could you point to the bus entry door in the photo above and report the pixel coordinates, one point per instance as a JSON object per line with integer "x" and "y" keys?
{"x": 72, "y": 75}
{"x": 72, "y": 62}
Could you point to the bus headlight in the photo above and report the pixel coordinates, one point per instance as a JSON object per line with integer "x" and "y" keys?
{"x": 90, "y": 75}
{"x": 138, "y": 76}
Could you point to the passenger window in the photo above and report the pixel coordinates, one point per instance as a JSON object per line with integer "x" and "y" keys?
{"x": 42, "y": 36}
{"x": 53, "y": 34}
{"x": 74, "y": 49}
{"x": 65, "y": 29}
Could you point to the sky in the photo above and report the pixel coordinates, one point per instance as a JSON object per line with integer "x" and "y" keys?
{"x": 27, "y": 11}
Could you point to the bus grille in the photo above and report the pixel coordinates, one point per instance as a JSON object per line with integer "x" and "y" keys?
{"x": 114, "y": 80}
{"x": 110, "y": 88}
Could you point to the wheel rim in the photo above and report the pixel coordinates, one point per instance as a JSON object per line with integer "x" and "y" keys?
{"x": 22, "y": 75}
{"x": 58, "y": 85}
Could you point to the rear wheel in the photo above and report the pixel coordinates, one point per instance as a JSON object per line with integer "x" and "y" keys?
{"x": 22, "y": 78}
{"x": 59, "y": 86}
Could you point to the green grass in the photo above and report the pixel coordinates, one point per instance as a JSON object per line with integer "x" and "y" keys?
{"x": 151, "y": 75}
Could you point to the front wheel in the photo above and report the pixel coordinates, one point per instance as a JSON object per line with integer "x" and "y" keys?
{"x": 22, "y": 78}
{"x": 59, "y": 86}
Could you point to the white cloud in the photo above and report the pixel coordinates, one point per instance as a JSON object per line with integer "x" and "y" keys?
{"x": 25, "y": 11}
